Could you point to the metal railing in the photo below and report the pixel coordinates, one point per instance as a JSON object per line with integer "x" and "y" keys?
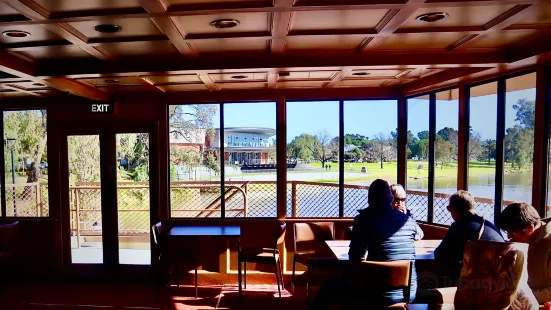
{"x": 204, "y": 199}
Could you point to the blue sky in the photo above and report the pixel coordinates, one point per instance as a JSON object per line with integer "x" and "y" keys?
{"x": 371, "y": 117}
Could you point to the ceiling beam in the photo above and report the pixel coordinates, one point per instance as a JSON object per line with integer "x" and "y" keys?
{"x": 77, "y": 88}
{"x": 35, "y": 12}
{"x": 445, "y": 59}
{"x": 338, "y": 78}
{"x": 23, "y": 90}
{"x": 439, "y": 78}
{"x": 170, "y": 26}
{"x": 281, "y": 24}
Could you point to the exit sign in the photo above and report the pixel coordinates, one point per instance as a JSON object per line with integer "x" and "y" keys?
{"x": 102, "y": 108}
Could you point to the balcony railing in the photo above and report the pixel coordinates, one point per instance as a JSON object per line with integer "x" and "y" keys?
{"x": 204, "y": 199}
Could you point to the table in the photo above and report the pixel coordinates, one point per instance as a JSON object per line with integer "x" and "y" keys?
{"x": 182, "y": 232}
{"x": 424, "y": 249}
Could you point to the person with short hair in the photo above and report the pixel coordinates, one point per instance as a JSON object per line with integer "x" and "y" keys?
{"x": 466, "y": 227}
{"x": 522, "y": 223}
{"x": 399, "y": 204}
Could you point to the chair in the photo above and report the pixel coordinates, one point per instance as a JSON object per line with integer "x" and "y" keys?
{"x": 9, "y": 233}
{"x": 263, "y": 256}
{"x": 372, "y": 276}
{"x": 308, "y": 243}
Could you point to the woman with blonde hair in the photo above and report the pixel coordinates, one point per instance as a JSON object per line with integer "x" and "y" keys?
{"x": 399, "y": 203}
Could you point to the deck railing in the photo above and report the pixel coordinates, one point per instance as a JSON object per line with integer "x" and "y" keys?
{"x": 204, "y": 199}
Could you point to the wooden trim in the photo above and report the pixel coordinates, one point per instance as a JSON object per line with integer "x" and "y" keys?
{"x": 463, "y": 138}
{"x": 221, "y": 159}
{"x": 500, "y": 147}
{"x": 281, "y": 154}
{"x": 281, "y": 23}
{"x": 402, "y": 141}
{"x": 341, "y": 158}
{"x": 432, "y": 138}
{"x": 541, "y": 141}
{"x": 3, "y": 170}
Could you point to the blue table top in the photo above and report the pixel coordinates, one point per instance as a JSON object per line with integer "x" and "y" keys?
{"x": 221, "y": 231}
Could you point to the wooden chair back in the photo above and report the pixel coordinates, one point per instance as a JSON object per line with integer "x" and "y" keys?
{"x": 310, "y": 236}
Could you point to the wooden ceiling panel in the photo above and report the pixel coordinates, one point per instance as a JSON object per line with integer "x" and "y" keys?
{"x": 54, "y": 52}
{"x": 85, "y": 5}
{"x": 185, "y": 87}
{"x": 114, "y": 81}
{"x": 459, "y": 16}
{"x": 542, "y": 16}
{"x": 31, "y": 85}
{"x": 372, "y": 74}
{"x": 306, "y": 75}
{"x": 344, "y": 2}
{"x": 348, "y": 19}
{"x": 328, "y": 43}
{"x": 501, "y": 39}
{"x": 248, "y": 22}
{"x": 131, "y": 27}
{"x": 37, "y": 34}
{"x": 239, "y": 76}
{"x": 126, "y": 89}
{"x": 412, "y": 41}
{"x": 231, "y": 45}
{"x": 181, "y": 78}
{"x": 360, "y": 83}
{"x": 6, "y": 10}
{"x": 301, "y": 84}
{"x": 253, "y": 85}
{"x": 217, "y": 3}
{"x": 138, "y": 49}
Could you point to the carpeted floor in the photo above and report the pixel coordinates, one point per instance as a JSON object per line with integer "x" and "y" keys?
{"x": 144, "y": 297}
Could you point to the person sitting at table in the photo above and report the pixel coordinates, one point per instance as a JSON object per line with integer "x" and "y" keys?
{"x": 399, "y": 204}
{"x": 385, "y": 234}
{"x": 467, "y": 226}
{"x": 523, "y": 224}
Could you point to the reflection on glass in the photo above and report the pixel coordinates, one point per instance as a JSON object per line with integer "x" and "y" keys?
{"x": 250, "y": 159}
{"x": 85, "y": 199}
{"x": 26, "y": 163}
{"x": 445, "y": 151}
{"x": 133, "y": 198}
{"x": 313, "y": 154}
{"x": 370, "y": 149}
{"x": 417, "y": 154}
{"x": 520, "y": 103}
{"x": 482, "y": 147}
{"x": 194, "y": 162}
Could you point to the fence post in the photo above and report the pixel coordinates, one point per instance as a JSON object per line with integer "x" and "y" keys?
{"x": 245, "y": 199}
{"x": 77, "y": 220}
{"x": 38, "y": 204}
{"x": 294, "y": 199}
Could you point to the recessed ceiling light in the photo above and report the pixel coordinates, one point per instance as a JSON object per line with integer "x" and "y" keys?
{"x": 284, "y": 74}
{"x": 432, "y": 17}
{"x": 16, "y": 34}
{"x": 224, "y": 23}
{"x": 110, "y": 81}
{"x": 38, "y": 84}
{"x": 239, "y": 77}
{"x": 107, "y": 28}
{"x": 360, "y": 73}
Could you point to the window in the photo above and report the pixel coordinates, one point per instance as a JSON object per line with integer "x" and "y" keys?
{"x": 482, "y": 147}
{"x": 370, "y": 149}
{"x": 26, "y": 163}
{"x": 520, "y": 103}
{"x": 201, "y": 149}
{"x": 417, "y": 154}
{"x": 445, "y": 153}
{"x": 313, "y": 159}
{"x": 195, "y": 186}
{"x": 250, "y": 169}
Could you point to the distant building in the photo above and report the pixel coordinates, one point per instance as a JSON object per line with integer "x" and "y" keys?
{"x": 245, "y": 145}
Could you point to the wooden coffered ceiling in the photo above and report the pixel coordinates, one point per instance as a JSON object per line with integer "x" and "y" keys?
{"x": 167, "y": 46}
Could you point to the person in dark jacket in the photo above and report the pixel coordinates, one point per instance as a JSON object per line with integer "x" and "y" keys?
{"x": 466, "y": 227}
{"x": 379, "y": 233}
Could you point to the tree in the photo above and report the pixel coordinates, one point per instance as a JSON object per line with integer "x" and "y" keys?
{"x": 444, "y": 150}
{"x": 84, "y": 153}
{"x": 446, "y": 132}
{"x": 324, "y": 147}
{"x": 422, "y": 135}
{"x": 382, "y": 148}
{"x": 525, "y": 113}
{"x": 489, "y": 149}
{"x": 475, "y": 145}
{"x": 302, "y": 147}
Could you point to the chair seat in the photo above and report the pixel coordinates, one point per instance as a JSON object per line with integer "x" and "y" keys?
{"x": 258, "y": 255}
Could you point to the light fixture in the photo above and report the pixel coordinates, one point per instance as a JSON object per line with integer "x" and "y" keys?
{"x": 284, "y": 74}
{"x": 107, "y": 28}
{"x": 432, "y": 17}
{"x": 38, "y": 84}
{"x": 224, "y": 23}
{"x": 239, "y": 77}
{"x": 111, "y": 81}
{"x": 16, "y": 34}
{"x": 361, "y": 73}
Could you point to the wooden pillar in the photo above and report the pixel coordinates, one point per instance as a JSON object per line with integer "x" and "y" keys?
{"x": 402, "y": 141}
{"x": 281, "y": 150}
{"x": 163, "y": 161}
{"x": 500, "y": 147}
{"x": 541, "y": 140}
{"x": 341, "y": 158}
{"x": 432, "y": 140}
{"x": 463, "y": 138}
